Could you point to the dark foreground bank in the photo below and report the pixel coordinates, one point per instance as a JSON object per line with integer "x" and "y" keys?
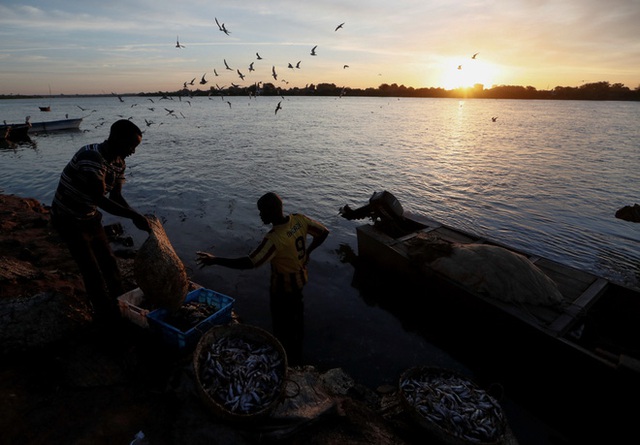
{"x": 64, "y": 381}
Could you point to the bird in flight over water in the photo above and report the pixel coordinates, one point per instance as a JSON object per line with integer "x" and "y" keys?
{"x": 258, "y": 56}
{"x": 474, "y": 56}
{"x": 339, "y": 26}
{"x": 240, "y": 75}
{"x": 178, "y": 44}
{"x": 278, "y": 107}
{"x": 227, "y": 65}
{"x": 313, "y": 51}
{"x": 251, "y": 67}
{"x": 273, "y": 72}
{"x": 203, "y": 80}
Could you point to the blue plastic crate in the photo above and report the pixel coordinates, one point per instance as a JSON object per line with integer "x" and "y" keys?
{"x": 186, "y": 339}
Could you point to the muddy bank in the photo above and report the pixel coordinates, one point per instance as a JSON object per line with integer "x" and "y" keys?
{"x": 64, "y": 381}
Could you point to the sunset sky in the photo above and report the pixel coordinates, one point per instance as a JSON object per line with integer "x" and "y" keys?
{"x": 85, "y": 47}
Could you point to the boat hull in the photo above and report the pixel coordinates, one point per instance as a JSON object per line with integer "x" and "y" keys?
{"x": 57, "y": 125}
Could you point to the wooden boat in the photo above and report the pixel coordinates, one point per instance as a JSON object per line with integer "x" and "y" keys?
{"x": 581, "y": 355}
{"x": 56, "y": 125}
{"x": 589, "y": 302}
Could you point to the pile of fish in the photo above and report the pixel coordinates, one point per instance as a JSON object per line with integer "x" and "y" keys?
{"x": 244, "y": 376}
{"x": 190, "y": 314}
{"x": 455, "y": 405}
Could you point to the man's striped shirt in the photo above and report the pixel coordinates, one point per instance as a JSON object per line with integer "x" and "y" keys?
{"x": 88, "y": 174}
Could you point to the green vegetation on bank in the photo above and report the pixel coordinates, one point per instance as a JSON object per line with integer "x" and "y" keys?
{"x": 588, "y": 91}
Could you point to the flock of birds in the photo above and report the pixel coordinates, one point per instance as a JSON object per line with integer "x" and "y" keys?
{"x": 222, "y": 28}
{"x": 241, "y": 75}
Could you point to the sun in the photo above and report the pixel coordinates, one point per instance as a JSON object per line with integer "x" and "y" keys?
{"x": 467, "y": 73}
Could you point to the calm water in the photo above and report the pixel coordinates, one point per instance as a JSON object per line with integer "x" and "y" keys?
{"x": 546, "y": 177}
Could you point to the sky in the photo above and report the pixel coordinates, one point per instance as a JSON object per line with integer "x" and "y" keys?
{"x": 96, "y": 47}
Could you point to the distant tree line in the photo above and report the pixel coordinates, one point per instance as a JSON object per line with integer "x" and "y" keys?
{"x": 588, "y": 91}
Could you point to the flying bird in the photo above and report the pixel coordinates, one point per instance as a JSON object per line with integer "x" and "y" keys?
{"x": 339, "y": 26}
{"x": 258, "y": 56}
{"x": 203, "y": 80}
{"x": 278, "y": 107}
{"x": 474, "y": 56}
{"x": 494, "y": 118}
{"x": 313, "y": 51}
{"x": 298, "y": 64}
{"x": 192, "y": 80}
{"x": 251, "y": 67}
{"x": 226, "y": 65}
{"x": 290, "y": 66}
{"x": 240, "y": 75}
{"x": 459, "y": 67}
{"x": 222, "y": 27}
{"x": 178, "y": 44}
{"x": 169, "y": 112}
{"x": 273, "y": 73}
{"x": 215, "y": 72}
{"x": 345, "y": 67}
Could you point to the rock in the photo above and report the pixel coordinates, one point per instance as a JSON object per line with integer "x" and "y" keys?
{"x": 629, "y": 213}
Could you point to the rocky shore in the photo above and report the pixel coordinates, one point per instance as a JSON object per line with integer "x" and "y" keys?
{"x": 64, "y": 381}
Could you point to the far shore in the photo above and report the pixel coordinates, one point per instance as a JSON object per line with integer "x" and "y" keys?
{"x": 602, "y": 91}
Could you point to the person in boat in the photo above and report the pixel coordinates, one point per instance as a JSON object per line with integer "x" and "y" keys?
{"x": 93, "y": 180}
{"x": 384, "y": 210}
{"x": 285, "y": 247}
